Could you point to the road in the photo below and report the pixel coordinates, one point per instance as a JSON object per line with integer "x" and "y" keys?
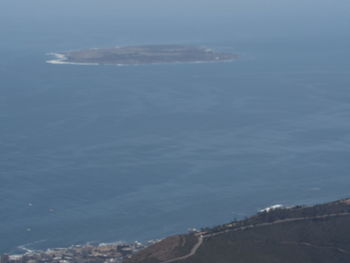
{"x": 202, "y": 235}
{"x": 192, "y": 252}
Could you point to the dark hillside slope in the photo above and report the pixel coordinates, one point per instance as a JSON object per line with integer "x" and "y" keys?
{"x": 299, "y": 234}
{"x": 322, "y": 240}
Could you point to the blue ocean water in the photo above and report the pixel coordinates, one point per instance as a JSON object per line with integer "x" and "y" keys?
{"x": 106, "y": 153}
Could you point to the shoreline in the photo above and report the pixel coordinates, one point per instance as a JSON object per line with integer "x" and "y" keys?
{"x": 25, "y": 249}
{"x": 61, "y": 59}
{"x": 114, "y": 252}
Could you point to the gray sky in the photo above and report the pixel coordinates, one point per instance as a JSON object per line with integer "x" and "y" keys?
{"x": 176, "y": 7}
{"x": 264, "y": 17}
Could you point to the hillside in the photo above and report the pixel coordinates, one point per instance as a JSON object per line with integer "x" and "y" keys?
{"x": 319, "y": 233}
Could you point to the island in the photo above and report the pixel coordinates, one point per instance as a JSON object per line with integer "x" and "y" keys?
{"x": 141, "y": 55}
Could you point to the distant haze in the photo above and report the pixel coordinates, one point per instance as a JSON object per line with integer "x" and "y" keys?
{"x": 242, "y": 18}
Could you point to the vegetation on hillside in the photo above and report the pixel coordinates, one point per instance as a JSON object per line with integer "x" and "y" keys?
{"x": 299, "y": 234}
{"x": 320, "y": 241}
{"x": 171, "y": 247}
{"x": 337, "y": 207}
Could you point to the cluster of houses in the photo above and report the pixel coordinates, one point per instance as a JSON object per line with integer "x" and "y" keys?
{"x": 103, "y": 253}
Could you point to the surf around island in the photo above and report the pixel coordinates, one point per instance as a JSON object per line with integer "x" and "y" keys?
{"x": 141, "y": 55}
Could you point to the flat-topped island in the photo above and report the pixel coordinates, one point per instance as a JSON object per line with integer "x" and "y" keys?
{"x": 140, "y": 55}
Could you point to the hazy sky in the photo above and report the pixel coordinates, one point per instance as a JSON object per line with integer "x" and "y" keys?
{"x": 271, "y": 18}
{"x": 160, "y": 8}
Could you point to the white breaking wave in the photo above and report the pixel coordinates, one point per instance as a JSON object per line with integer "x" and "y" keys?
{"x": 270, "y": 208}
{"x": 61, "y": 59}
{"x": 54, "y": 61}
{"x": 26, "y": 249}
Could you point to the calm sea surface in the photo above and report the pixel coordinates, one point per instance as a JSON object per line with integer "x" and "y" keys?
{"x": 107, "y": 153}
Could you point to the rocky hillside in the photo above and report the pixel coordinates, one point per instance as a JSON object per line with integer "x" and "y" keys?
{"x": 299, "y": 234}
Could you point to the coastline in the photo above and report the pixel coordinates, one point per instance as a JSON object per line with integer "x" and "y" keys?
{"x": 61, "y": 59}
{"x": 114, "y": 252}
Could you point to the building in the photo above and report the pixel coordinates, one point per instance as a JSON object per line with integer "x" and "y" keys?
{"x": 4, "y": 259}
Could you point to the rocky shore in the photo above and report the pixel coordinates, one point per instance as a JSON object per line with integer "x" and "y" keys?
{"x": 102, "y": 253}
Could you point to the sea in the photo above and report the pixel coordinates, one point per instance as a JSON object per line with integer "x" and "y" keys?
{"x": 124, "y": 153}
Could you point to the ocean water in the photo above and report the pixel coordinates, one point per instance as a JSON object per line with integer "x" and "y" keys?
{"x": 108, "y": 153}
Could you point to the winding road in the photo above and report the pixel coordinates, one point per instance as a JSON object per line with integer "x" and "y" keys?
{"x": 202, "y": 235}
{"x": 192, "y": 252}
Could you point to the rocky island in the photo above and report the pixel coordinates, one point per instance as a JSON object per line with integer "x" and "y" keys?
{"x": 140, "y": 55}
